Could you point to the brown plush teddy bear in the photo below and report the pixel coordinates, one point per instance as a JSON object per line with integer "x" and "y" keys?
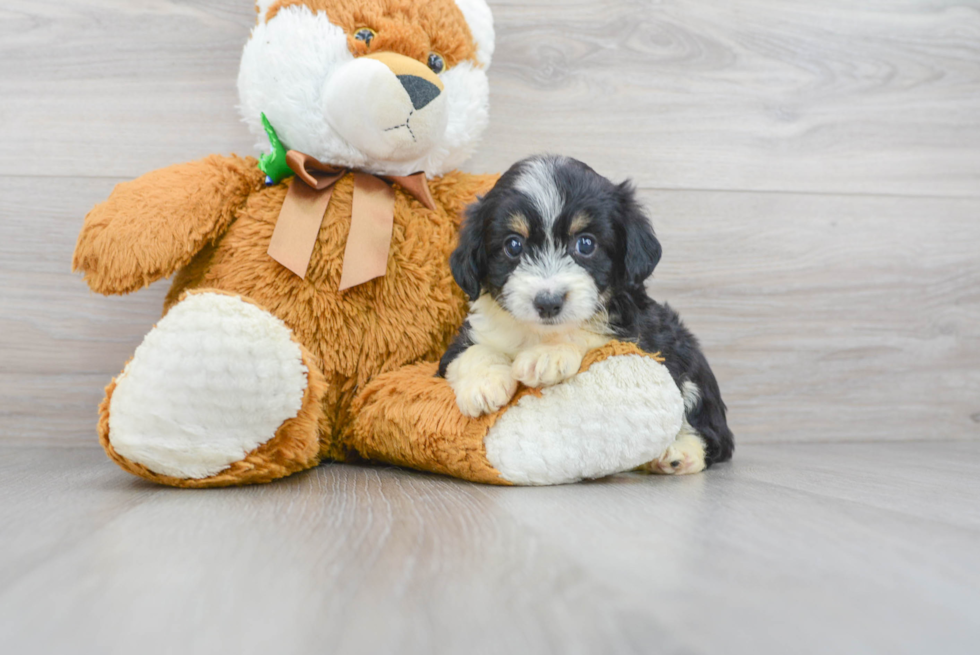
{"x": 312, "y": 292}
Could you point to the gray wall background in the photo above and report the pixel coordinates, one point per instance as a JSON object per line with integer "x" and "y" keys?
{"x": 813, "y": 170}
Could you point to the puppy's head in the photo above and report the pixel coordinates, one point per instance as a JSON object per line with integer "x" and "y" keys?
{"x": 553, "y": 241}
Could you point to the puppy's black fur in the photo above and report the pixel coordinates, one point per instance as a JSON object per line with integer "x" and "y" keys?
{"x": 627, "y": 254}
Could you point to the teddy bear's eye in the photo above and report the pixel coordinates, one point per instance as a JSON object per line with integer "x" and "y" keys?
{"x": 436, "y": 63}
{"x": 365, "y": 34}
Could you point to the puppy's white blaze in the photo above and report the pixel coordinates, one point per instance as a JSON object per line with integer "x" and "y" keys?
{"x": 537, "y": 182}
{"x": 547, "y": 262}
{"x": 551, "y": 272}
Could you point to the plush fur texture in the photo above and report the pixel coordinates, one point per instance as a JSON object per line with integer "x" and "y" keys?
{"x": 554, "y": 259}
{"x": 295, "y": 446}
{"x": 617, "y": 413}
{"x": 209, "y": 222}
{"x": 363, "y": 350}
{"x": 559, "y": 435}
{"x": 408, "y": 315}
{"x": 152, "y": 227}
{"x": 207, "y": 386}
{"x": 303, "y": 68}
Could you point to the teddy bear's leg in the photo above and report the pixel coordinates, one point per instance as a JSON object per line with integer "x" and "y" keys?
{"x": 620, "y": 411}
{"x": 219, "y": 393}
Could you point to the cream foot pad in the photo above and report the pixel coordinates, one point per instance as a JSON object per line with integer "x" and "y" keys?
{"x": 211, "y": 382}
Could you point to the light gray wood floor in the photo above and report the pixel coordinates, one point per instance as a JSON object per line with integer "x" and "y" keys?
{"x": 826, "y": 548}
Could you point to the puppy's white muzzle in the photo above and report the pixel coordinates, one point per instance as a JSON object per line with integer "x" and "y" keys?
{"x": 389, "y": 106}
{"x": 549, "y": 288}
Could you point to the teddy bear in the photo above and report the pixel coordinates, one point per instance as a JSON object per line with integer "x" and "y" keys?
{"x": 312, "y": 295}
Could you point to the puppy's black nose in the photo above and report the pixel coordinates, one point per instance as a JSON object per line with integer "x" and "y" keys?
{"x": 422, "y": 92}
{"x": 549, "y": 304}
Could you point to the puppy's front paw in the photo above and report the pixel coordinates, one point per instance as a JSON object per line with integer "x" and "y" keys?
{"x": 684, "y": 457}
{"x": 544, "y": 366}
{"x": 477, "y": 395}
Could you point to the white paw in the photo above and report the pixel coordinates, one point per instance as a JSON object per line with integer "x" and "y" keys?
{"x": 485, "y": 393}
{"x": 544, "y": 366}
{"x": 211, "y": 382}
{"x": 684, "y": 457}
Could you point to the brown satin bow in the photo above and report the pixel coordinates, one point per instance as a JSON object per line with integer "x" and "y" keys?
{"x": 372, "y": 217}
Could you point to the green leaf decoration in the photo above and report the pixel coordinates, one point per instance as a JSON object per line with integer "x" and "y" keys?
{"x": 274, "y": 164}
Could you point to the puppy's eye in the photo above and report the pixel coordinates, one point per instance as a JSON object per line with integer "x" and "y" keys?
{"x": 513, "y": 246}
{"x": 585, "y": 245}
{"x": 436, "y": 63}
{"x": 365, "y": 34}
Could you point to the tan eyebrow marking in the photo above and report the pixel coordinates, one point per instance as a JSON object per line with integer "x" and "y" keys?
{"x": 519, "y": 224}
{"x": 579, "y": 223}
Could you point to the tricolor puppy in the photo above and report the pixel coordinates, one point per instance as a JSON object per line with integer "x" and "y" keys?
{"x": 554, "y": 260}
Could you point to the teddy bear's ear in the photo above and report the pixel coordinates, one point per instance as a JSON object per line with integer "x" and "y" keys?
{"x": 480, "y": 20}
{"x": 262, "y": 8}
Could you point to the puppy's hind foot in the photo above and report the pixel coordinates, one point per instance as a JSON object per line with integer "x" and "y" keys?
{"x": 683, "y": 457}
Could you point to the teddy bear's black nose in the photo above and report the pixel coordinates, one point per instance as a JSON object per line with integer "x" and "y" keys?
{"x": 421, "y": 91}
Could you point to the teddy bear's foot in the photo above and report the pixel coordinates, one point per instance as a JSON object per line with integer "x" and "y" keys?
{"x": 218, "y": 393}
{"x": 620, "y": 411}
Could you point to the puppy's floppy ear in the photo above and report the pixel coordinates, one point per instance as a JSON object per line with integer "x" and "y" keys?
{"x": 642, "y": 249}
{"x": 469, "y": 261}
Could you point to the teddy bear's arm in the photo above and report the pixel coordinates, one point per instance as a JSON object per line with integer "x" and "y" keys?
{"x": 154, "y": 225}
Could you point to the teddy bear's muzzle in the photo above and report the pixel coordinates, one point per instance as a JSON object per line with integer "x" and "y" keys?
{"x": 386, "y": 105}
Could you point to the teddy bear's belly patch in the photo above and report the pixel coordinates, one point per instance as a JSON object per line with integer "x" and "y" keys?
{"x": 392, "y": 320}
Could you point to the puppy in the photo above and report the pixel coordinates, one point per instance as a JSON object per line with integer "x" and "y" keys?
{"x": 554, "y": 260}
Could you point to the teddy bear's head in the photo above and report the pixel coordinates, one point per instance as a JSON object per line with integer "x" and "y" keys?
{"x": 386, "y": 86}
